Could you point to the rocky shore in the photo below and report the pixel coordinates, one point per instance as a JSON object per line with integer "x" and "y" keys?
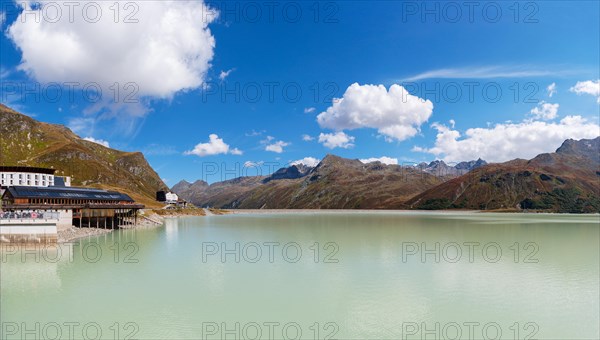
{"x": 73, "y": 233}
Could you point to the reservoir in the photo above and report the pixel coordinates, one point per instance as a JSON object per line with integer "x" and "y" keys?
{"x": 313, "y": 275}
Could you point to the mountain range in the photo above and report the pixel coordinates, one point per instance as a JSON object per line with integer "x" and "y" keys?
{"x": 25, "y": 141}
{"x": 565, "y": 181}
{"x": 335, "y": 183}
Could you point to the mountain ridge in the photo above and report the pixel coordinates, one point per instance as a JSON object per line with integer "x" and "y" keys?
{"x": 564, "y": 181}
{"x": 567, "y": 180}
{"x": 334, "y": 183}
{"x": 25, "y": 141}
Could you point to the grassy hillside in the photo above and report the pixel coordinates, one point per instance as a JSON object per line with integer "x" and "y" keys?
{"x": 27, "y": 142}
{"x": 336, "y": 183}
{"x": 567, "y": 181}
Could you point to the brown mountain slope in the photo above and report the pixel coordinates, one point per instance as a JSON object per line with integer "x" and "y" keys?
{"x": 336, "y": 183}
{"x": 27, "y": 142}
{"x": 565, "y": 181}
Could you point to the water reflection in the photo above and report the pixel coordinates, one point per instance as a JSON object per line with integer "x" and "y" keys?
{"x": 392, "y": 269}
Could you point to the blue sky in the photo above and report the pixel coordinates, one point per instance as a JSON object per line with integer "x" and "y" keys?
{"x": 262, "y": 75}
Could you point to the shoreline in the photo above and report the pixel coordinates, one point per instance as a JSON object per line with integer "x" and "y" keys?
{"x": 74, "y": 234}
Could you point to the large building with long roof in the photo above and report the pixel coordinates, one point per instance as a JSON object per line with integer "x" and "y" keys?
{"x": 70, "y": 206}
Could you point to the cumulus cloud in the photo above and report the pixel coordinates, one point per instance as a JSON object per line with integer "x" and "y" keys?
{"x": 395, "y": 114}
{"x": 308, "y": 161}
{"x": 277, "y": 146}
{"x": 215, "y": 146}
{"x": 225, "y": 74}
{"x": 336, "y": 140}
{"x": 236, "y": 151}
{"x": 545, "y": 111}
{"x": 384, "y": 160}
{"x": 97, "y": 141}
{"x": 587, "y": 87}
{"x": 166, "y": 49}
{"x": 503, "y": 142}
{"x": 551, "y": 89}
{"x": 309, "y": 110}
{"x": 307, "y": 138}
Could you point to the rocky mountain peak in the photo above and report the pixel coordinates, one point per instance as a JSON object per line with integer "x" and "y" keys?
{"x": 588, "y": 148}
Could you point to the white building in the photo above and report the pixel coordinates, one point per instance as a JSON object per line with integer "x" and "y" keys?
{"x": 30, "y": 177}
{"x": 26, "y": 176}
{"x": 171, "y": 197}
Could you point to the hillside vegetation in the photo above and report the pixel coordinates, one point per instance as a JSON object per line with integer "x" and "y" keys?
{"x": 567, "y": 181}
{"x": 27, "y": 142}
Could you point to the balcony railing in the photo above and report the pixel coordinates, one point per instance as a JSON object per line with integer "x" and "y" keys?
{"x": 29, "y": 215}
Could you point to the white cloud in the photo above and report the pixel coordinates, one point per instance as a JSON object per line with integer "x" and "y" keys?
{"x": 276, "y": 147}
{"x": 307, "y": 138}
{"x": 82, "y": 125}
{"x": 97, "y": 141}
{"x": 168, "y": 49}
{"x": 384, "y": 160}
{"x": 551, "y": 89}
{"x": 215, "y": 146}
{"x": 395, "y": 113}
{"x": 308, "y": 161}
{"x": 545, "y": 111}
{"x": 503, "y": 142}
{"x": 587, "y": 87}
{"x": 309, "y": 110}
{"x": 225, "y": 74}
{"x": 2, "y": 18}
{"x": 336, "y": 140}
{"x": 484, "y": 72}
{"x": 236, "y": 151}
{"x": 251, "y": 164}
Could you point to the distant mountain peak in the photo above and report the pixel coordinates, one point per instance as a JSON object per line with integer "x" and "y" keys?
{"x": 588, "y": 148}
{"x": 291, "y": 172}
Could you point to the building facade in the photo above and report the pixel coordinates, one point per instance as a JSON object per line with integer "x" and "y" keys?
{"x": 31, "y": 177}
{"x": 33, "y": 200}
{"x": 80, "y": 207}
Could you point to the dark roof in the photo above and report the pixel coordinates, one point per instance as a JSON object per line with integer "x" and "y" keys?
{"x": 67, "y": 192}
{"x": 27, "y": 169}
{"x": 59, "y": 181}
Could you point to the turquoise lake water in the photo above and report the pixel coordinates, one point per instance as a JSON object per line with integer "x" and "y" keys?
{"x": 338, "y": 275}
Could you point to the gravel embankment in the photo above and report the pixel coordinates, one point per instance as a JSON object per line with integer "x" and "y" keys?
{"x": 73, "y": 233}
